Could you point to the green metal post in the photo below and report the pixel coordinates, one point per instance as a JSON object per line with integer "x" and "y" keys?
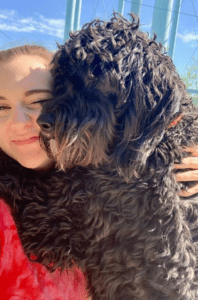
{"x": 69, "y": 21}
{"x": 136, "y": 7}
{"x": 174, "y": 29}
{"x": 121, "y": 4}
{"x": 162, "y": 20}
{"x": 77, "y": 14}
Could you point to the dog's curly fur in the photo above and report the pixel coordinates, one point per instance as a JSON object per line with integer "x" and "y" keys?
{"x": 113, "y": 207}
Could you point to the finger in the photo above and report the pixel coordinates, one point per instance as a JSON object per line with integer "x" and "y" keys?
{"x": 193, "y": 149}
{"x": 187, "y": 176}
{"x": 191, "y": 191}
{"x": 188, "y": 162}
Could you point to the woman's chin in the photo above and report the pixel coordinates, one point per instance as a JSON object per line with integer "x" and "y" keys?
{"x": 37, "y": 163}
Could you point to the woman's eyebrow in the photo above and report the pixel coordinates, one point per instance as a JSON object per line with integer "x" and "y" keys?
{"x": 31, "y": 92}
{"x": 2, "y": 98}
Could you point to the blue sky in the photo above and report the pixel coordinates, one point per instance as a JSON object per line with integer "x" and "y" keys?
{"x": 42, "y": 22}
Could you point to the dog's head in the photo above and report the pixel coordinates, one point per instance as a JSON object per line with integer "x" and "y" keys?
{"x": 115, "y": 93}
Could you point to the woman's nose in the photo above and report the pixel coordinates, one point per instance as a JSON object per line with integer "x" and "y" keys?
{"x": 21, "y": 115}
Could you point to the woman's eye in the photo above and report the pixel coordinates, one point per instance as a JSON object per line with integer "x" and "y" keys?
{"x": 3, "y": 107}
{"x": 40, "y": 101}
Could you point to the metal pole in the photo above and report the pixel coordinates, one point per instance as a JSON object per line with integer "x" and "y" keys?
{"x": 176, "y": 14}
{"x": 69, "y": 21}
{"x": 136, "y": 6}
{"x": 77, "y": 14}
{"x": 162, "y": 20}
{"x": 192, "y": 91}
{"x": 121, "y": 4}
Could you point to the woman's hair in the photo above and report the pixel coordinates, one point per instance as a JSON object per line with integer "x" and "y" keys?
{"x": 9, "y": 54}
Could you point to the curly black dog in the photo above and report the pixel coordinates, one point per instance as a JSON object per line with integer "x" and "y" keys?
{"x": 115, "y": 126}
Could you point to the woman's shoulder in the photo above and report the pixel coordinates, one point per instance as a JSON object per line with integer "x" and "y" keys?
{"x": 6, "y": 219}
{"x": 25, "y": 280}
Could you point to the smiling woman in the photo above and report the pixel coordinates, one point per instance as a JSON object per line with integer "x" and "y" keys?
{"x": 25, "y": 82}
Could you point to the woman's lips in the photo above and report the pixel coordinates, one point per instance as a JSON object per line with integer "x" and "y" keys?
{"x": 26, "y": 142}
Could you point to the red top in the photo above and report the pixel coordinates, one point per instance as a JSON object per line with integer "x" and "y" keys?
{"x": 21, "y": 279}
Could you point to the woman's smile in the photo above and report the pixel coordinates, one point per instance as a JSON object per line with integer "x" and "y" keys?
{"x": 26, "y": 141}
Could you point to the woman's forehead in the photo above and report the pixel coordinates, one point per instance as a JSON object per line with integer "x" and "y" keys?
{"x": 26, "y": 72}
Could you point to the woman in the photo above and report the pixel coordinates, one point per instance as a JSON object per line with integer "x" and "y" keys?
{"x": 25, "y": 82}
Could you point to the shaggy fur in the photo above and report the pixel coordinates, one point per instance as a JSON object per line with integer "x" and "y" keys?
{"x": 113, "y": 207}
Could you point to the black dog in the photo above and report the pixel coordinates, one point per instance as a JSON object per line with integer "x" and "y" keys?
{"x": 116, "y": 124}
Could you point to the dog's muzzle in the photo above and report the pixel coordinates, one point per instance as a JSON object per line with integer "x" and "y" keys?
{"x": 46, "y": 123}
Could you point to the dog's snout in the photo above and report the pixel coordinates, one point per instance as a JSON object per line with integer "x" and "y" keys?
{"x": 45, "y": 121}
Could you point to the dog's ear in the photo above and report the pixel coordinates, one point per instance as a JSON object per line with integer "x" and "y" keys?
{"x": 141, "y": 128}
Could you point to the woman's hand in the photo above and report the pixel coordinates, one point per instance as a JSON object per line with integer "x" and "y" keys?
{"x": 192, "y": 175}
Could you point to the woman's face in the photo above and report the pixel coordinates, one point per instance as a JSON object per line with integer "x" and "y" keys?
{"x": 24, "y": 81}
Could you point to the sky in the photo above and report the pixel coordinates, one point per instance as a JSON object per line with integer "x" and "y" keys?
{"x": 42, "y": 22}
